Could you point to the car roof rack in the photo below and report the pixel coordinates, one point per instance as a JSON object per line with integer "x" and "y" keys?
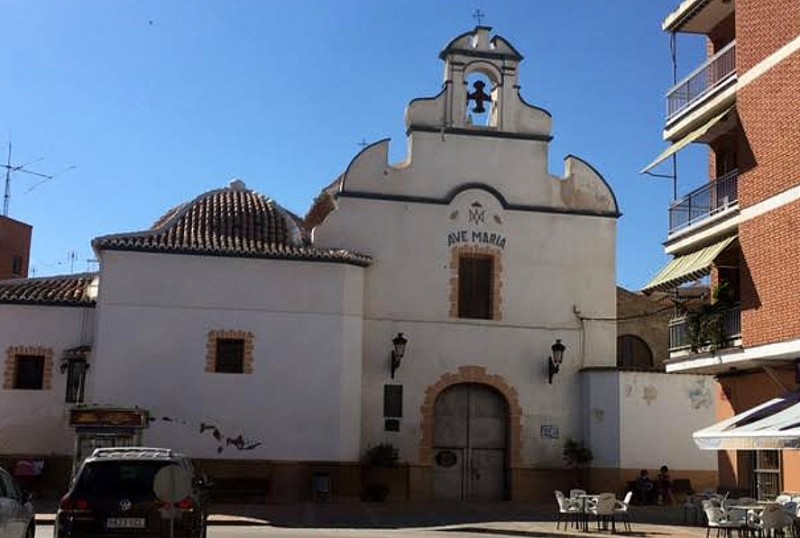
{"x": 132, "y": 452}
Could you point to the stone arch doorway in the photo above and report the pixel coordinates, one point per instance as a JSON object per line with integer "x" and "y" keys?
{"x": 470, "y": 443}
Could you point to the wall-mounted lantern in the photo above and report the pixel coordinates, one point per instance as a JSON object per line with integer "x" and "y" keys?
{"x": 398, "y": 350}
{"x": 555, "y": 359}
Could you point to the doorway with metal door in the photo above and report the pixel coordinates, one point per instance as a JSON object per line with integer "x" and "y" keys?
{"x": 470, "y": 443}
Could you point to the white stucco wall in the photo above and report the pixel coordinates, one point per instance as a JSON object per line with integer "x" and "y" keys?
{"x": 554, "y": 262}
{"x": 301, "y": 400}
{"x": 659, "y": 413}
{"x": 642, "y": 420}
{"x": 35, "y": 421}
{"x": 601, "y": 420}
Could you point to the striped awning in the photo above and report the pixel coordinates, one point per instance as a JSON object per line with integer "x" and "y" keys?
{"x": 685, "y": 141}
{"x": 771, "y": 425}
{"x": 688, "y": 268}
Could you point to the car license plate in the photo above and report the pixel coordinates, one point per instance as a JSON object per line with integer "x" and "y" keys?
{"x": 125, "y": 523}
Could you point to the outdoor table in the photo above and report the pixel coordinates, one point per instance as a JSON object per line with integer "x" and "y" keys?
{"x": 754, "y": 508}
{"x": 584, "y": 498}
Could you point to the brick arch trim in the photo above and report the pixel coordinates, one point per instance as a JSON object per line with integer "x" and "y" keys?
{"x": 471, "y": 374}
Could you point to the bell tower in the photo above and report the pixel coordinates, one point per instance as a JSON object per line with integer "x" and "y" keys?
{"x": 480, "y": 75}
{"x": 481, "y": 91}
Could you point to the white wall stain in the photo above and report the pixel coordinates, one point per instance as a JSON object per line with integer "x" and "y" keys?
{"x": 700, "y": 395}
{"x": 650, "y": 394}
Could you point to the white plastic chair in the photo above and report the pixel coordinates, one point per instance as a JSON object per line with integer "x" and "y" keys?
{"x": 790, "y": 508}
{"x": 783, "y": 498}
{"x": 573, "y": 493}
{"x": 736, "y": 515}
{"x": 569, "y": 510}
{"x": 716, "y": 518}
{"x": 604, "y": 509}
{"x": 622, "y": 510}
{"x": 773, "y": 518}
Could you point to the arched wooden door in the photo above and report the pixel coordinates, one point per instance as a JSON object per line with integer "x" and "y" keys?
{"x": 470, "y": 443}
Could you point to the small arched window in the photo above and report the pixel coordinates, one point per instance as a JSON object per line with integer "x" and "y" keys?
{"x": 633, "y": 352}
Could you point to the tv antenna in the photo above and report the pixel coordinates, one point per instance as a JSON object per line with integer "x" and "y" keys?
{"x": 12, "y": 168}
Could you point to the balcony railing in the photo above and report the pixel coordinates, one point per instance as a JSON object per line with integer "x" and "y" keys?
{"x": 702, "y": 81}
{"x": 679, "y": 333}
{"x": 704, "y": 202}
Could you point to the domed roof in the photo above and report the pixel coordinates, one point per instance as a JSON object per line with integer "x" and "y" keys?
{"x": 233, "y": 221}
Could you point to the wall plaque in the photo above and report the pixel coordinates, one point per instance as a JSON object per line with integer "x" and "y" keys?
{"x": 548, "y": 431}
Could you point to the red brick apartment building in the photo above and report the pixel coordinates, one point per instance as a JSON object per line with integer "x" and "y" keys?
{"x": 15, "y": 248}
{"x": 741, "y": 229}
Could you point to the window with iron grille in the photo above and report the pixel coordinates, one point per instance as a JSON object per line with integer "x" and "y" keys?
{"x": 767, "y": 474}
{"x": 475, "y": 286}
{"x": 230, "y": 356}
{"x": 29, "y": 372}
{"x": 76, "y": 380}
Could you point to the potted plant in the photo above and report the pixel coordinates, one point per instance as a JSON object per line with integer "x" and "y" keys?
{"x": 577, "y": 455}
{"x": 381, "y": 456}
{"x": 705, "y": 324}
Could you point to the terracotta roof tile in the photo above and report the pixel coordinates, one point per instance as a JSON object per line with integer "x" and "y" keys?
{"x": 233, "y": 221}
{"x": 64, "y": 290}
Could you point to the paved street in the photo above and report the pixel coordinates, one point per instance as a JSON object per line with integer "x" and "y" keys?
{"x": 531, "y": 530}
{"x": 413, "y": 520}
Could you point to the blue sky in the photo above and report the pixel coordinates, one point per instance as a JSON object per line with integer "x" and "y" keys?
{"x": 155, "y": 102}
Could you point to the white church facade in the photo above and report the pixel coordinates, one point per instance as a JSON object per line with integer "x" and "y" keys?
{"x": 418, "y": 304}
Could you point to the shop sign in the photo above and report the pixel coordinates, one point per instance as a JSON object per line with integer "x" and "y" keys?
{"x": 99, "y": 418}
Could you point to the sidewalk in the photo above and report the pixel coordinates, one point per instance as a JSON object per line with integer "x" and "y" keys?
{"x": 507, "y": 518}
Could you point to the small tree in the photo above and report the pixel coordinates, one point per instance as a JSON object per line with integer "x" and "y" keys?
{"x": 577, "y": 454}
{"x": 381, "y": 455}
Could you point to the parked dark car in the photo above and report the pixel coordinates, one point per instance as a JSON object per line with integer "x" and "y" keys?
{"x": 16, "y": 511}
{"x": 114, "y": 494}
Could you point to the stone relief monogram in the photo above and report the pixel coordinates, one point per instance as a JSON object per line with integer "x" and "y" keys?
{"x": 476, "y": 217}
{"x": 477, "y": 214}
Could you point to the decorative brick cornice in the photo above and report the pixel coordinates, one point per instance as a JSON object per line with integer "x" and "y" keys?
{"x": 497, "y": 276}
{"x": 10, "y": 370}
{"x": 211, "y": 348}
{"x": 471, "y": 374}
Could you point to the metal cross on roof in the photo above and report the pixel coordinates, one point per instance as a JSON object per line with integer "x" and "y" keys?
{"x": 478, "y": 15}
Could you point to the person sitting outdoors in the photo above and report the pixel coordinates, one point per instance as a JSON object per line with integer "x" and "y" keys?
{"x": 644, "y": 488}
{"x": 664, "y": 486}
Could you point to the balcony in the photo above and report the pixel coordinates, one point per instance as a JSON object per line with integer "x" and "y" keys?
{"x": 704, "y": 82}
{"x": 703, "y": 203}
{"x": 679, "y": 337}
